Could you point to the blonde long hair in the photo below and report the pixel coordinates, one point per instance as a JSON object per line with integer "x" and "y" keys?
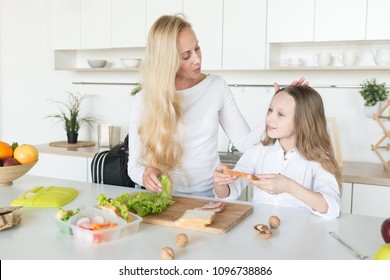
{"x": 162, "y": 114}
{"x": 311, "y": 133}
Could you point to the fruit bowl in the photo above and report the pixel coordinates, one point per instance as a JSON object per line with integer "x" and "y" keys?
{"x": 11, "y": 173}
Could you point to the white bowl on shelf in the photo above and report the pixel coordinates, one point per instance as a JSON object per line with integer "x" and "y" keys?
{"x": 97, "y": 63}
{"x": 130, "y": 62}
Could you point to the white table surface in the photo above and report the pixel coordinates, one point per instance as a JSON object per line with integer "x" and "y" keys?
{"x": 301, "y": 235}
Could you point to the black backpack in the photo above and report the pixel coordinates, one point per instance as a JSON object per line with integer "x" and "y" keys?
{"x": 110, "y": 167}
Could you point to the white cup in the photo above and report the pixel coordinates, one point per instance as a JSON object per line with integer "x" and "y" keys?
{"x": 294, "y": 61}
{"x": 108, "y": 135}
{"x": 323, "y": 58}
{"x": 347, "y": 58}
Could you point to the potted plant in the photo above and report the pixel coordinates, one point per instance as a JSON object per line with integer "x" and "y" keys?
{"x": 373, "y": 94}
{"x": 70, "y": 115}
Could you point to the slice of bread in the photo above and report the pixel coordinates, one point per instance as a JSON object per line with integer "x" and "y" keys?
{"x": 196, "y": 218}
{"x": 240, "y": 174}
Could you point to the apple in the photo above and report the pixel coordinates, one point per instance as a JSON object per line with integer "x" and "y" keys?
{"x": 383, "y": 252}
{"x": 385, "y": 230}
{"x": 10, "y": 162}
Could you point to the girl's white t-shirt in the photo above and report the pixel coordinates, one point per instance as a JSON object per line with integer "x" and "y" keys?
{"x": 271, "y": 159}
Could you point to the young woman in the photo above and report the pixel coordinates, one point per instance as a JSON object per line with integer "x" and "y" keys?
{"x": 294, "y": 165}
{"x": 174, "y": 120}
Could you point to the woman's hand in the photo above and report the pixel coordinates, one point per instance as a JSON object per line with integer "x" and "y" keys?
{"x": 272, "y": 183}
{"x": 300, "y": 82}
{"x": 150, "y": 180}
{"x": 221, "y": 181}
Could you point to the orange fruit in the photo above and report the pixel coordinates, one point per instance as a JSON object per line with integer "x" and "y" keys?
{"x": 5, "y": 150}
{"x": 26, "y": 154}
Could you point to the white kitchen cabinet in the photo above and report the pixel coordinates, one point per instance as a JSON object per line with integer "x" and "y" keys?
{"x": 316, "y": 20}
{"x": 290, "y": 21}
{"x": 339, "y": 20}
{"x": 128, "y": 27}
{"x": 244, "y": 32}
{"x": 378, "y": 20}
{"x": 64, "y": 167}
{"x": 157, "y": 8}
{"x": 207, "y": 24}
{"x": 95, "y": 24}
{"x": 65, "y": 24}
{"x": 371, "y": 200}
{"x": 346, "y": 198}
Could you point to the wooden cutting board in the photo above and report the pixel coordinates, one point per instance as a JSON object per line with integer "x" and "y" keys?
{"x": 223, "y": 222}
{"x": 65, "y": 144}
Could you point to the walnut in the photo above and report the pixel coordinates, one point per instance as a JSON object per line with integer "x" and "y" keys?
{"x": 265, "y": 234}
{"x": 274, "y": 221}
{"x": 181, "y": 240}
{"x": 261, "y": 227}
{"x": 167, "y": 253}
{"x": 263, "y": 230}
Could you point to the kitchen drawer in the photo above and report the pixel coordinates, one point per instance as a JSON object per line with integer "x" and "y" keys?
{"x": 371, "y": 200}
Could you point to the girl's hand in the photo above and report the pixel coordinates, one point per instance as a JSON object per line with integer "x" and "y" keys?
{"x": 221, "y": 181}
{"x": 300, "y": 82}
{"x": 150, "y": 180}
{"x": 272, "y": 183}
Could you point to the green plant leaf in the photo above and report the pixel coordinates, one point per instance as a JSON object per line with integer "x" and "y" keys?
{"x": 372, "y": 92}
{"x": 70, "y": 115}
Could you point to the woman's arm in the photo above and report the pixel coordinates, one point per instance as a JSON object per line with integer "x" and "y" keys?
{"x": 234, "y": 124}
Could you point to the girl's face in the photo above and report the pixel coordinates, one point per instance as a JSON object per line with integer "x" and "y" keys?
{"x": 190, "y": 57}
{"x": 280, "y": 120}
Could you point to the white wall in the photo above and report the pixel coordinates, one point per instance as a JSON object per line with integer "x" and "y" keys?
{"x": 28, "y": 81}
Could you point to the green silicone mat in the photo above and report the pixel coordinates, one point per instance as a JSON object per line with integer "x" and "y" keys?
{"x": 51, "y": 196}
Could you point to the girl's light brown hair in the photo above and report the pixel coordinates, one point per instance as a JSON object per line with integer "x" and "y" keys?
{"x": 161, "y": 118}
{"x": 311, "y": 132}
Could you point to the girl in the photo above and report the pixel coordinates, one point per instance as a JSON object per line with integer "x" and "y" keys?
{"x": 294, "y": 164}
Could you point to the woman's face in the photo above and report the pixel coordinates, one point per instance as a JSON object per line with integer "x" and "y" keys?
{"x": 190, "y": 55}
{"x": 280, "y": 119}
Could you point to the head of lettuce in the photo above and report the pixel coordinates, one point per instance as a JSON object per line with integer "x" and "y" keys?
{"x": 142, "y": 203}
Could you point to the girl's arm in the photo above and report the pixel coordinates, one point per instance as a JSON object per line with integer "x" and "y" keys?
{"x": 277, "y": 184}
{"x": 323, "y": 198}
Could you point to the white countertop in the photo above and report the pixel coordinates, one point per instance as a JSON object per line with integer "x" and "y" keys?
{"x": 353, "y": 172}
{"x": 301, "y": 235}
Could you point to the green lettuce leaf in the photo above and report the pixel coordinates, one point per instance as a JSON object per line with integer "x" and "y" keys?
{"x": 142, "y": 203}
{"x": 166, "y": 186}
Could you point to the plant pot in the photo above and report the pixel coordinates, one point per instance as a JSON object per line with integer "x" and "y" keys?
{"x": 370, "y": 111}
{"x": 72, "y": 138}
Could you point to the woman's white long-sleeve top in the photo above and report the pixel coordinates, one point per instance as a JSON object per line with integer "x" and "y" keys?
{"x": 270, "y": 159}
{"x": 204, "y": 107}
